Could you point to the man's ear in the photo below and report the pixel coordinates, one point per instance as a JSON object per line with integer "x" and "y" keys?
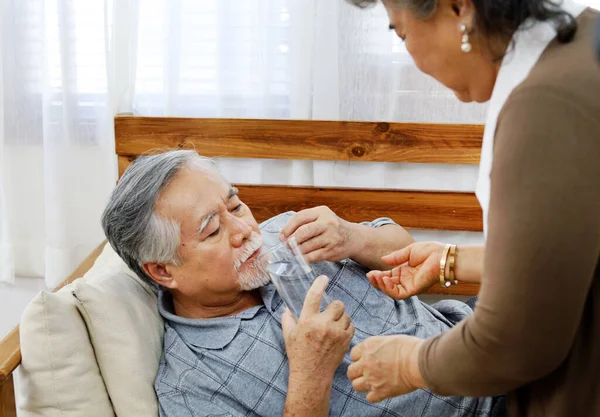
{"x": 160, "y": 274}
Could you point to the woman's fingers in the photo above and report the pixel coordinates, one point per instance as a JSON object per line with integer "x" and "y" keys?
{"x": 380, "y": 283}
{"x": 388, "y": 284}
{"x": 355, "y": 370}
{"x": 398, "y": 257}
{"x": 399, "y": 283}
{"x": 360, "y": 384}
{"x": 376, "y": 273}
{"x": 357, "y": 352}
{"x": 375, "y": 396}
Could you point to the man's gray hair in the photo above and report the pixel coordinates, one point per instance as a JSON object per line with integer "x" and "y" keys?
{"x": 135, "y": 231}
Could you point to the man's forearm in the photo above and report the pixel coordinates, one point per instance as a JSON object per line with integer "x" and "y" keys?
{"x": 371, "y": 243}
{"x": 307, "y": 398}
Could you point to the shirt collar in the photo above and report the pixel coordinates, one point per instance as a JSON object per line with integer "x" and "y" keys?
{"x": 272, "y": 301}
{"x": 205, "y": 333}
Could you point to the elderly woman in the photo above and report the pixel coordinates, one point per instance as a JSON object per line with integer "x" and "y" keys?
{"x": 535, "y": 332}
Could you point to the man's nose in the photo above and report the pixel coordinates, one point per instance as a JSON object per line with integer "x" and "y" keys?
{"x": 241, "y": 231}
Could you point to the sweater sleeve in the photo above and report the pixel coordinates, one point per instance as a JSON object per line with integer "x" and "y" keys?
{"x": 542, "y": 248}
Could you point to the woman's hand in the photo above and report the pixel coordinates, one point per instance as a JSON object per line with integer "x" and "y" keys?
{"x": 417, "y": 268}
{"x": 321, "y": 234}
{"x": 386, "y": 366}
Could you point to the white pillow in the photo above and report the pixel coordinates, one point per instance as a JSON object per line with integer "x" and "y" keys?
{"x": 58, "y": 375}
{"x": 119, "y": 315}
{"x": 126, "y": 331}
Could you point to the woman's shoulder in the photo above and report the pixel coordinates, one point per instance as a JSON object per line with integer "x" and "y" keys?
{"x": 568, "y": 70}
{"x": 555, "y": 109}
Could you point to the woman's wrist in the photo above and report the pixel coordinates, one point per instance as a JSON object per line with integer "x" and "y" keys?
{"x": 416, "y": 378}
{"x": 468, "y": 265}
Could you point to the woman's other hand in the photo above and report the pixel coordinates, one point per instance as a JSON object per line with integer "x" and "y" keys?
{"x": 416, "y": 269}
{"x": 386, "y": 366}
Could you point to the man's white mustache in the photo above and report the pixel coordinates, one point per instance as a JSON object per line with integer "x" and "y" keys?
{"x": 254, "y": 243}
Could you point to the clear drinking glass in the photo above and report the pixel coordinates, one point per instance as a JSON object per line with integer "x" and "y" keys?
{"x": 290, "y": 273}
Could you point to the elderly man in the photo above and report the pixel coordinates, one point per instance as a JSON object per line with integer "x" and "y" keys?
{"x": 230, "y": 346}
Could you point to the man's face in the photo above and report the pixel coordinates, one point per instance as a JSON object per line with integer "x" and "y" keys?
{"x": 219, "y": 238}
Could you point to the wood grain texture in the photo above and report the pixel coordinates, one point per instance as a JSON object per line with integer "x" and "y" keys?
{"x": 463, "y": 288}
{"x": 430, "y": 210}
{"x": 411, "y": 209}
{"x": 124, "y": 162}
{"x": 303, "y": 139}
{"x": 10, "y": 354}
{"x": 8, "y": 407}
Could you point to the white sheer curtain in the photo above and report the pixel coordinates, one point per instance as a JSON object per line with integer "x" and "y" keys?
{"x": 61, "y": 85}
{"x": 68, "y": 66}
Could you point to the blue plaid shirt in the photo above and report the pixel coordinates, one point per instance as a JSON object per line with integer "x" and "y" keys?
{"x": 237, "y": 366}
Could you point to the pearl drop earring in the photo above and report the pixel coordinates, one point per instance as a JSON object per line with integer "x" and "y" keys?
{"x": 465, "y": 45}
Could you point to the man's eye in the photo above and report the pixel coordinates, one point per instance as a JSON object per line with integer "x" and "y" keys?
{"x": 216, "y": 232}
{"x": 237, "y": 208}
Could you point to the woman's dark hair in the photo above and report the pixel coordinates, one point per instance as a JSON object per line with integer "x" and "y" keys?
{"x": 498, "y": 19}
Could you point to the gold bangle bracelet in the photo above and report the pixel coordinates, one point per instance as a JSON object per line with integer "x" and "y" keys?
{"x": 451, "y": 265}
{"x": 443, "y": 282}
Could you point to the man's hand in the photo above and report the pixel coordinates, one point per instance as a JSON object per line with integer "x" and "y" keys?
{"x": 317, "y": 343}
{"x": 315, "y": 346}
{"x": 322, "y": 235}
{"x": 386, "y": 366}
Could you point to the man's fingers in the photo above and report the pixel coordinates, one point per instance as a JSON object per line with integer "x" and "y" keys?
{"x": 355, "y": 370}
{"x": 350, "y": 332}
{"x": 335, "y": 310}
{"x": 345, "y": 321}
{"x": 313, "y": 244}
{"x": 357, "y": 352}
{"x": 308, "y": 231}
{"x": 316, "y": 256}
{"x": 398, "y": 257}
{"x": 297, "y": 220}
{"x": 287, "y": 322}
{"x": 312, "y": 303}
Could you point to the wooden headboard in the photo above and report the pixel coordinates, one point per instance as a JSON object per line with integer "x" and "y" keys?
{"x": 333, "y": 141}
